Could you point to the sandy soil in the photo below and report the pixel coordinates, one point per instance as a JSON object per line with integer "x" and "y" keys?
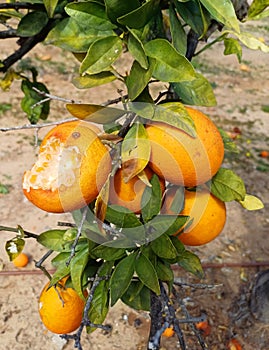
{"x": 241, "y": 91}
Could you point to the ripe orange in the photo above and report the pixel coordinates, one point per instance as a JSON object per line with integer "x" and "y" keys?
{"x": 204, "y": 326}
{"x": 182, "y": 159}
{"x": 129, "y": 194}
{"x": 71, "y": 168}
{"x": 21, "y": 260}
{"x": 264, "y": 154}
{"x": 234, "y": 344}
{"x": 61, "y": 310}
{"x": 207, "y": 211}
{"x": 168, "y": 332}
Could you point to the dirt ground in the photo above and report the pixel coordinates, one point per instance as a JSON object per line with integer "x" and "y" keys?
{"x": 242, "y": 96}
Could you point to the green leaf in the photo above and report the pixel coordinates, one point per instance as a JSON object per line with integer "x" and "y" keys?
{"x": 137, "y": 296}
{"x": 251, "y": 202}
{"x": 194, "y": 15}
{"x": 191, "y": 263}
{"x": 163, "y": 247}
{"x": 101, "y": 54}
{"x": 229, "y": 145}
{"x": 151, "y": 199}
{"x": 172, "y": 113}
{"x": 256, "y": 8}
{"x": 88, "y": 81}
{"x": 77, "y": 267}
{"x": 121, "y": 217}
{"x": 121, "y": 277}
{"x": 4, "y": 189}
{"x": 164, "y": 271}
{"x": 232, "y": 46}
{"x": 94, "y": 113}
{"x": 227, "y": 186}
{"x": 118, "y": 8}
{"x": 61, "y": 272}
{"x": 60, "y": 259}
{"x": 170, "y": 65}
{"x": 168, "y": 224}
{"x": 50, "y": 6}
{"x": 14, "y": 247}
{"x": 32, "y": 23}
{"x": 75, "y": 36}
{"x": 30, "y": 98}
{"x": 223, "y": 12}
{"x": 178, "y": 245}
{"x": 100, "y": 302}
{"x": 56, "y": 240}
{"x": 196, "y": 92}
{"x": 139, "y": 17}
{"x": 53, "y": 239}
{"x": 137, "y": 80}
{"x": 177, "y": 204}
{"x": 108, "y": 253}
{"x": 91, "y": 12}
{"x": 147, "y": 273}
{"x": 136, "y": 48}
{"x": 135, "y": 151}
{"x": 179, "y": 37}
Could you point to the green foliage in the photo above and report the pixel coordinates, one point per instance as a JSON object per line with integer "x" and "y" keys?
{"x": 121, "y": 277}
{"x": 4, "y": 107}
{"x": 4, "y": 189}
{"x": 228, "y": 186}
{"x": 32, "y": 23}
{"x": 29, "y": 103}
{"x": 131, "y": 253}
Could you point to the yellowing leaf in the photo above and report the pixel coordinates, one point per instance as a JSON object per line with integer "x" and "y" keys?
{"x": 143, "y": 177}
{"x": 94, "y": 113}
{"x": 50, "y": 6}
{"x": 251, "y": 41}
{"x": 135, "y": 151}
{"x": 101, "y": 202}
{"x": 251, "y": 203}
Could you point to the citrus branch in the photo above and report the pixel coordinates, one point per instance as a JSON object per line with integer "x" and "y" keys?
{"x": 38, "y": 264}
{"x": 85, "y": 321}
{"x": 15, "y": 229}
{"x": 163, "y": 315}
{"x": 73, "y": 248}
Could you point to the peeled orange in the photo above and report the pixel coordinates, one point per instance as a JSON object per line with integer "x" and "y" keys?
{"x": 71, "y": 168}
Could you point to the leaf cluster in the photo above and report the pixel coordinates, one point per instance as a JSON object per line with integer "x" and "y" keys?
{"x": 158, "y": 34}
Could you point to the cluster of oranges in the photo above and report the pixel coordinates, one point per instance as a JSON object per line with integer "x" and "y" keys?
{"x": 73, "y": 165}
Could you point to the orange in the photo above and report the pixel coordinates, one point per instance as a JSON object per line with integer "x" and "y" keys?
{"x": 168, "y": 332}
{"x": 234, "y": 344}
{"x": 71, "y": 168}
{"x": 264, "y": 154}
{"x": 60, "y": 310}
{"x": 129, "y": 195}
{"x": 207, "y": 212}
{"x": 182, "y": 159}
{"x": 204, "y": 326}
{"x": 21, "y": 260}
